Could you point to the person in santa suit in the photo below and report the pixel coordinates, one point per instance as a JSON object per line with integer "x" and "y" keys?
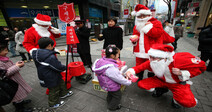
{"x": 41, "y": 28}
{"x": 172, "y": 71}
{"x": 146, "y": 32}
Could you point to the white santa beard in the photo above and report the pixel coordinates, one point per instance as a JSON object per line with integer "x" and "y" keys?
{"x": 158, "y": 67}
{"x": 42, "y": 31}
{"x": 140, "y": 23}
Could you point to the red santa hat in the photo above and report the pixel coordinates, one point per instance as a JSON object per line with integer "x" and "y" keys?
{"x": 43, "y": 19}
{"x": 161, "y": 51}
{"x": 141, "y": 9}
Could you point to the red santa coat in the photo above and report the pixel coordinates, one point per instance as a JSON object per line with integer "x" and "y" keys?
{"x": 148, "y": 35}
{"x": 31, "y": 38}
{"x": 189, "y": 65}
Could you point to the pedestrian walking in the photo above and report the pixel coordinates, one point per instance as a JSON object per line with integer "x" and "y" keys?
{"x": 112, "y": 35}
{"x": 83, "y": 48}
{"x": 49, "y": 69}
{"x": 13, "y": 73}
{"x": 10, "y": 35}
{"x": 19, "y": 38}
{"x": 205, "y": 46}
{"x": 110, "y": 78}
{"x": 172, "y": 71}
{"x": 178, "y": 31}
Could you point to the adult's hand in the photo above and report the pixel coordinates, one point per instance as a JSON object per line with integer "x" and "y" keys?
{"x": 176, "y": 71}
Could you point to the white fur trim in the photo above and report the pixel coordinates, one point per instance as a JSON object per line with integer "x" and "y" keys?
{"x": 158, "y": 53}
{"x": 144, "y": 12}
{"x": 32, "y": 50}
{"x": 55, "y": 30}
{"x": 185, "y": 75}
{"x": 133, "y": 13}
{"x": 42, "y": 22}
{"x": 100, "y": 68}
{"x": 131, "y": 70}
{"x": 151, "y": 90}
{"x": 189, "y": 82}
{"x": 147, "y": 28}
{"x": 168, "y": 76}
{"x": 141, "y": 55}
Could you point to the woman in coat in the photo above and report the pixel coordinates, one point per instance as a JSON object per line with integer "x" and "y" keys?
{"x": 19, "y": 38}
{"x": 13, "y": 73}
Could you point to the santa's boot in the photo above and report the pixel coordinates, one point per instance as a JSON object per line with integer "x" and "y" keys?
{"x": 159, "y": 92}
{"x": 175, "y": 104}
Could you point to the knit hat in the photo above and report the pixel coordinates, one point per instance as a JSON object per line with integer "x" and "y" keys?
{"x": 141, "y": 9}
{"x": 161, "y": 51}
{"x": 43, "y": 19}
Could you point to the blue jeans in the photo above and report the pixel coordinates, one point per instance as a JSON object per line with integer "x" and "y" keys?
{"x": 12, "y": 45}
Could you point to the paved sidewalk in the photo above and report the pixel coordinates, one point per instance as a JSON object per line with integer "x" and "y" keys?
{"x": 86, "y": 99}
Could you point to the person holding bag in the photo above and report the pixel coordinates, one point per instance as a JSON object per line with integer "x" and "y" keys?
{"x": 13, "y": 73}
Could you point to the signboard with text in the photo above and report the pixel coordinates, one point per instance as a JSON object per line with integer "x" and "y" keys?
{"x": 66, "y": 12}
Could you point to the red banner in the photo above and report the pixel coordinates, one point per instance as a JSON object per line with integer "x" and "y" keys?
{"x": 71, "y": 37}
{"x": 66, "y": 12}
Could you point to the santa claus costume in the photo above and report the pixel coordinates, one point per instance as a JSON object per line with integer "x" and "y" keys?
{"x": 189, "y": 66}
{"x": 148, "y": 34}
{"x": 42, "y": 28}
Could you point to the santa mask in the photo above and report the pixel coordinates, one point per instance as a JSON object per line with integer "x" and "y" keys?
{"x": 140, "y": 23}
{"x": 158, "y": 67}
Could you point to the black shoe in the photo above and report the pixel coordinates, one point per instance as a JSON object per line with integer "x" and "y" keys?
{"x": 26, "y": 101}
{"x": 117, "y": 108}
{"x": 159, "y": 92}
{"x": 174, "y": 105}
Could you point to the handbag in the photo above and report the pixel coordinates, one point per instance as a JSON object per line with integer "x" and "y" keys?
{"x": 8, "y": 88}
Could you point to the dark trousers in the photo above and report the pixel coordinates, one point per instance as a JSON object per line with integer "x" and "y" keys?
{"x": 175, "y": 42}
{"x": 24, "y": 57}
{"x": 56, "y": 92}
{"x": 113, "y": 99}
{"x": 207, "y": 56}
{"x": 86, "y": 58}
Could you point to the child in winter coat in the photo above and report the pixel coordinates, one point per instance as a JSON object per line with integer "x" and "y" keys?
{"x": 49, "y": 69}
{"x": 13, "y": 73}
{"x": 110, "y": 78}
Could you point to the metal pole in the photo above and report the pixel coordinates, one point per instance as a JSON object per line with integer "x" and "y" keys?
{"x": 68, "y": 46}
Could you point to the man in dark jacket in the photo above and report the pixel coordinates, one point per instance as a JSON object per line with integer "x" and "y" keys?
{"x": 205, "y": 46}
{"x": 113, "y": 34}
{"x": 83, "y": 48}
{"x": 10, "y": 35}
{"x": 49, "y": 68}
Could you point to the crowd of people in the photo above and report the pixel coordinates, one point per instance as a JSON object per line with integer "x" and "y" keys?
{"x": 166, "y": 69}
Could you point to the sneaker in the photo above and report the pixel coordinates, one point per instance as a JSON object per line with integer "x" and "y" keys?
{"x": 67, "y": 95}
{"x": 25, "y": 61}
{"x": 58, "y": 105}
{"x": 31, "y": 60}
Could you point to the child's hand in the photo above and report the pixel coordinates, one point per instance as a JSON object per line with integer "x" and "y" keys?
{"x": 128, "y": 74}
{"x": 20, "y": 64}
